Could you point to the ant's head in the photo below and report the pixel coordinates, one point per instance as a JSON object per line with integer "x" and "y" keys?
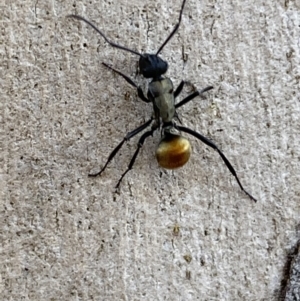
{"x": 152, "y": 66}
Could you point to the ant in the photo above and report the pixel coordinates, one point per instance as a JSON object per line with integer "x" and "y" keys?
{"x": 173, "y": 150}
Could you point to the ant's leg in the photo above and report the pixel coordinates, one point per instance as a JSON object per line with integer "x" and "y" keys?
{"x": 126, "y": 138}
{"x": 212, "y": 145}
{"x": 188, "y": 98}
{"x": 139, "y": 89}
{"x": 192, "y": 96}
{"x": 140, "y": 144}
{"x": 179, "y": 88}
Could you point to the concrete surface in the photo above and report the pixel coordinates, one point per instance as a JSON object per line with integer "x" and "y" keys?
{"x": 189, "y": 234}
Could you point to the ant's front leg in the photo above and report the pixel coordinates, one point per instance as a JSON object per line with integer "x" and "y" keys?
{"x": 131, "y": 82}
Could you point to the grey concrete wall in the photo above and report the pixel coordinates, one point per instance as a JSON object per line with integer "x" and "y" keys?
{"x": 69, "y": 237}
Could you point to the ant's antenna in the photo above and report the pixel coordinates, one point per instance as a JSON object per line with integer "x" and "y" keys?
{"x": 105, "y": 38}
{"x": 173, "y": 31}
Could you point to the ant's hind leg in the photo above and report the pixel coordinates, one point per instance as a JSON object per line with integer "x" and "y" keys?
{"x": 132, "y": 161}
{"x": 225, "y": 160}
{"x": 131, "y": 82}
{"x": 115, "y": 151}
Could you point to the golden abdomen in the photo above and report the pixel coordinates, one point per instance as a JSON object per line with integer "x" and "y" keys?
{"x": 173, "y": 151}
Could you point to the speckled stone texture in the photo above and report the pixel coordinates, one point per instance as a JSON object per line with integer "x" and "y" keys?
{"x": 189, "y": 234}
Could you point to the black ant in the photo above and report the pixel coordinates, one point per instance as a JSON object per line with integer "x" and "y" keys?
{"x": 173, "y": 150}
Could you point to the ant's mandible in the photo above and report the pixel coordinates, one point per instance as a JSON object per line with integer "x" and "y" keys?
{"x": 173, "y": 150}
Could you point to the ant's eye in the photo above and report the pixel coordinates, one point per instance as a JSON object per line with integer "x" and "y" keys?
{"x": 173, "y": 151}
